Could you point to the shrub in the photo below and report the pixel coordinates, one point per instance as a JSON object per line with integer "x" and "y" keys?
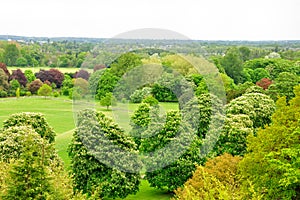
{"x": 45, "y": 90}
{"x": 56, "y": 94}
{"x": 3, "y": 93}
{"x": 28, "y": 93}
{"x": 150, "y": 100}
{"x": 34, "y": 86}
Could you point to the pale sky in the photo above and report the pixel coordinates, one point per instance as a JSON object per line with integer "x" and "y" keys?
{"x": 196, "y": 19}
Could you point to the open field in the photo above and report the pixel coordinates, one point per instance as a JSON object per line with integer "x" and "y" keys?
{"x": 59, "y": 114}
{"x": 37, "y": 69}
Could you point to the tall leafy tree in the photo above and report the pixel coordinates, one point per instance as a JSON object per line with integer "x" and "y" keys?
{"x": 283, "y": 85}
{"x": 11, "y": 54}
{"x": 124, "y": 63}
{"x": 272, "y": 164}
{"x": 98, "y": 151}
{"x": 233, "y": 138}
{"x": 28, "y": 177}
{"x": 19, "y": 76}
{"x": 233, "y": 64}
{"x": 259, "y": 107}
{"x": 29, "y": 75}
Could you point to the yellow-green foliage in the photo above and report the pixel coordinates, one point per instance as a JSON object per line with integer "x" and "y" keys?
{"x": 273, "y": 161}
{"x": 216, "y": 180}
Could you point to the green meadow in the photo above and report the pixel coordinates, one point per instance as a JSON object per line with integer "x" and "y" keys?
{"x": 37, "y": 69}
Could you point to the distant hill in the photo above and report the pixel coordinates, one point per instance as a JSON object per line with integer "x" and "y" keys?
{"x": 282, "y": 43}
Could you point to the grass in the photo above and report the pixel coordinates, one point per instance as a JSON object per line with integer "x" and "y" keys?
{"x": 37, "y": 69}
{"x": 148, "y": 193}
{"x": 59, "y": 114}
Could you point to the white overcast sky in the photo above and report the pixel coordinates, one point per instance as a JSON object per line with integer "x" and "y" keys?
{"x": 196, "y": 19}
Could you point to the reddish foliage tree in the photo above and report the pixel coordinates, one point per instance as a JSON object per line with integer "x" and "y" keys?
{"x": 57, "y": 77}
{"x": 19, "y": 76}
{"x": 98, "y": 67}
{"x": 3, "y": 66}
{"x": 34, "y": 86}
{"x": 82, "y": 74}
{"x": 52, "y": 75}
{"x": 264, "y": 83}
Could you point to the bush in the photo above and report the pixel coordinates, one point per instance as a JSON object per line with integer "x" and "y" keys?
{"x": 28, "y": 93}
{"x": 34, "y": 86}
{"x": 45, "y": 90}
{"x": 56, "y": 94}
{"x": 150, "y": 100}
{"x": 3, "y": 93}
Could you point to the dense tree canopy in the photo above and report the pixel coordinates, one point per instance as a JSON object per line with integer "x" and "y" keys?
{"x": 272, "y": 164}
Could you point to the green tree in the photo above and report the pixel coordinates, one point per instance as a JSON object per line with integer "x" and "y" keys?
{"x": 233, "y": 138}
{"x": 245, "y": 53}
{"x": 108, "y": 100}
{"x": 35, "y": 120}
{"x": 106, "y": 83}
{"x": 95, "y": 162}
{"x": 28, "y": 177}
{"x": 232, "y": 63}
{"x": 165, "y": 132}
{"x": 13, "y": 86}
{"x": 33, "y": 168}
{"x": 67, "y": 85}
{"x": 29, "y": 75}
{"x": 21, "y": 61}
{"x": 153, "y": 132}
{"x": 94, "y": 81}
{"x": 124, "y": 63}
{"x": 139, "y": 95}
{"x": 178, "y": 64}
{"x": 272, "y": 161}
{"x": 259, "y": 107}
{"x": 283, "y": 86}
{"x": 45, "y": 90}
{"x": 11, "y": 54}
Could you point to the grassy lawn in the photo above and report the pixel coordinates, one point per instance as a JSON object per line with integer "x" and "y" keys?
{"x": 37, "y": 69}
{"x": 59, "y": 114}
{"x": 148, "y": 193}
